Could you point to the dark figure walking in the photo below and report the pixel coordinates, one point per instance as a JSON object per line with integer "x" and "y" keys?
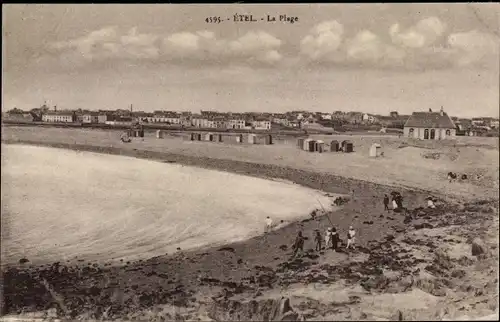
{"x": 335, "y": 239}
{"x": 298, "y": 244}
{"x": 317, "y": 240}
{"x": 386, "y": 202}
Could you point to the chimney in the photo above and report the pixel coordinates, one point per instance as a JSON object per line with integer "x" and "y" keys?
{"x": 441, "y": 111}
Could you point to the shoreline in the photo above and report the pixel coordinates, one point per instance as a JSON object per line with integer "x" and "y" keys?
{"x": 180, "y": 275}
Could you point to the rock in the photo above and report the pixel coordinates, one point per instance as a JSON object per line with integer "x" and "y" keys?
{"x": 478, "y": 247}
{"x": 423, "y": 225}
{"x": 226, "y": 249}
{"x": 459, "y": 273}
{"x": 23, "y": 261}
{"x": 290, "y": 316}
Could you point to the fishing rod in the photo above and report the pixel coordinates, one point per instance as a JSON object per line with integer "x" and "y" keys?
{"x": 324, "y": 210}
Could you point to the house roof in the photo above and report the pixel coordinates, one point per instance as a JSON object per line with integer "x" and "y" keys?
{"x": 430, "y": 120}
{"x": 62, "y": 113}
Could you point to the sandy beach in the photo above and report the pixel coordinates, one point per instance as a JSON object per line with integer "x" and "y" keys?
{"x": 424, "y": 256}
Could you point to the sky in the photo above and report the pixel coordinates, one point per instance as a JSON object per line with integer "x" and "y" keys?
{"x": 374, "y": 58}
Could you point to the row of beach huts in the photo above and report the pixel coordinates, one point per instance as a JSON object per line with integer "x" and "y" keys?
{"x": 311, "y": 145}
{"x": 211, "y": 137}
{"x": 306, "y": 144}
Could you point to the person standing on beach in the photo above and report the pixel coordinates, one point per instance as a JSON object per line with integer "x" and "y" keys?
{"x": 335, "y": 239}
{"x": 328, "y": 237}
{"x": 318, "y": 240}
{"x": 351, "y": 237}
{"x": 269, "y": 224}
{"x": 298, "y": 244}
{"x": 386, "y": 202}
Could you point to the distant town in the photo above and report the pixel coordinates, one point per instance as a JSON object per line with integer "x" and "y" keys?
{"x": 293, "y": 120}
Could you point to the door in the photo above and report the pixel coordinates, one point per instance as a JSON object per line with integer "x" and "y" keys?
{"x": 433, "y": 134}
{"x": 426, "y": 134}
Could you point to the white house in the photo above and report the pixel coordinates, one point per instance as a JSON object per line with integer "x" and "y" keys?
{"x": 59, "y": 117}
{"x": 261, "y": 124}
{"x": 430, "y": 126}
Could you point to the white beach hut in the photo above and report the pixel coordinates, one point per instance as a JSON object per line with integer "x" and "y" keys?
{"x": 252, "y": 138}
{"x": 159, "y": 134}
{"x": 375, "y": 150}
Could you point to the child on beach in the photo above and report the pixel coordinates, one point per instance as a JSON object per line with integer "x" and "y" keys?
{"x": 269, "y": 224}
{"x": 351, "y": 237}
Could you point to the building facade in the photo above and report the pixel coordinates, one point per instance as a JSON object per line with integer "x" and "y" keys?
{"x": 59, "y": 117}
{"x": 430, "y": 126}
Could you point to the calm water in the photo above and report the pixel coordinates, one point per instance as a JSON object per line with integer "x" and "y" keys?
{"x": 58, "y": 204}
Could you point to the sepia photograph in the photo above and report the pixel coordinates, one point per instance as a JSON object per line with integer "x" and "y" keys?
{"x": 250, "y": 162}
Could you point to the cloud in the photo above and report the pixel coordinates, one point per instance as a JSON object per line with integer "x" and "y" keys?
{"x": 256, "y": 46}
{"x": 425, "y": 33}
{"x": 426, "y": 45}
{"x": 324, "y": 40}
{"x": 108, "y": 44}
{"x": 474, "y": 47}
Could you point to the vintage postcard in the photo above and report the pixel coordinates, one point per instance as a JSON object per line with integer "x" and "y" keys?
{"x": 236, "y": 162}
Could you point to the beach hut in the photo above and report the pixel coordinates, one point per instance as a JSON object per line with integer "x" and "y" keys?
{"x": 375, "y": 150}
{"x": 312, "y": 146}
{"x": 319, "y": 146}
{"x": 198, "y": 136}
{"x": 305, "y": 147}
{"x": 193, "y": 137}
{"x": 239, "y": 138}
{"x": 141, "y": 133}
{"x": 347, "y": 146}
{"x": 252, "y": 138}
{"x": 219, "y": 137}
{"x": 334, "y": 146}
{"x": 268, "y": 139}
{"x": 159, "y": 134}
{"x": 300, "y": 143}
{"x": 209, "y": 137}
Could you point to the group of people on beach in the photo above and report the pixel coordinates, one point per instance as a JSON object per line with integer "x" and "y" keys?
{"x": 331, "y": 238}
{"x": 396, "y": 203}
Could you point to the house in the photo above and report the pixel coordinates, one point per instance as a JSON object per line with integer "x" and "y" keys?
{"x": 326, "y": 116}
{"x": 367, "y": 118}
{"x": 261, "y": 123}
{"x": 353, "y": 117}
{"x": 219, "y": 122}
{"x": 199, "y": 121}
{"x": 93, "y": 117}
{"x": 185, "y": 119}
{"x": 17, "y": 115}
{"x": 59, "y": 117}
{"x": 429, "y": 126}
{"x": 172, "y": 118}
{"x": 119, "y": 120}
{"x": 236, "y": 123}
